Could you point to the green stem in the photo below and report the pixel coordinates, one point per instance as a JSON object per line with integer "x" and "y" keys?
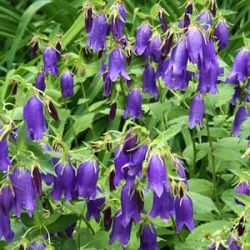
{"x": 173, "y": 222}
{"x": 212, "y": 161}
{"x": 194, "y": 154}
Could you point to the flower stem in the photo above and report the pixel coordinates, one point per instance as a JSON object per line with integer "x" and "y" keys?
{"x": 194, "y": 154}
{"x": 212, "y": 161}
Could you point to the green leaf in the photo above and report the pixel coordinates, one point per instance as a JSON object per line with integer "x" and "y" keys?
{"x": 201, "y": 186}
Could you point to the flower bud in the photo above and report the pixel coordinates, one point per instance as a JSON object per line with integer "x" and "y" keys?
{"x": 222, "y": 34}
{"x": 148, "y": 238}
{"x": 40, "y": 81}
{"x": 67, "y": 84}
{"x": 197, "y": 110}
{"x": 50, "y": 61}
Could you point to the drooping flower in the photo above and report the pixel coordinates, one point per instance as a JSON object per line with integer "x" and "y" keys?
{"x": 88, "y": 19}
{"x": 130, "y": 142}
{"x": 5, "y": 229}
{"x": 157, "y": 174}
{"x": 239, "y": 70}
{"x": 148, "y": 238}
{"x": 118, "y": 22}
{"x": 50, "y": 59}
{"x": 98, "y": 32}
{"x": 142, "y": 38}
{"x": 163, "y": 21}
{"x": 179, "y": 168}
{"x": 40, "y": 81}
{"x": 197, "y": 110}
{"x": 242, "y": 114}
{"x": 33, "y": 114}
{"x": 166, "y": 46}
{"x": 36, "y": 245}
{"x": 194, "y": 43}
{"x": 222, "y": 34}
{"x": 4, "y": 152}
{"x": 119, "y": 232}
{"x": 184, "y": 213}
{"x": 155, "y": 47}
{"x": 149, "y": 81}
{"x": 234, "y": 243}
{"x": 133, "y": 104}
{"x": 107, "y": 218}
{"x": 86, "y": 179}
{"x": 188, "y": 11}
{"x": 67, "y": 84}
{"x": 129, "y": 206}
{"x": 163, "y": 206}
{"x": 64, "y": 181}
{"x": 37, "y": 181}
{"x": 205, "y": 19}
{"x": 242, "y": 188}
{"x": 24, "y": 191}
{"x": 7, "y": 199}
{"x": 117, "y": 65}
{"x": 94, "y": 207}
{"x": 112, "y": 111}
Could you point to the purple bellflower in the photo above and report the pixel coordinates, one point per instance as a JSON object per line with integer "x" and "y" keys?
{"x": 233, "y": 243}
{"x": 118, "y": 22}
{"x": 166, "y": 46}
{"x": 157, "y": 174}
{"x": 119, "y": 232}
{"x": 242, "y": 188}
{"x": 242, "y": 114}
{"x": 86, "y": 180}
{"x": 133, "y": 104}
{"x": 4, "y": 156}
{"x": 240, "y": 69}
{"x": 194, "y": 43}
{"x": 88, "y": 19}
{"x": 98, "y": 32}
{"x": 67, "y": 84}
{"x": 129, "y": 206}
{"x": 205, "y": 19}
{"x": 163, "y": 21}
{"x": 163, "y": 206}
{"x": 188, "y": 11}
{"x": 7, "y": 199}
{"x": 5, "y": 230}
{"x": 142, "y": 38}
{"x": 117, "y": 65}
{"x": 197, "y": 110}
{"x": 24, "y": 191}
{"x": 148, "y": 238}
{"x": 184, "y": 213}
{"x": 130, "y": 142}
{"x": 40, "y": 81}
{"x": 94, "y": 207}
{"x": 155, "y": 47}
{"x": 33, "y": 114}
{"x": 222, "y": 34}
{"x": 50, "y": 59}
{"x": 149, "y": 81}
{"x": 64, "y": 181}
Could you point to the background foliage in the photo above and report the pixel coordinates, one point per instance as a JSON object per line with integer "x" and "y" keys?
{"x": 85, "y": 117}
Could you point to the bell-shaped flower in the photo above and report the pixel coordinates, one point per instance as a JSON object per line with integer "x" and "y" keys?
{"x": 166, "y": 46}
{"x": 188, "y": 11}
{"x": 148, "y": 238}
{"x": 197, "y": 110}
{"x": 94, "y": 207}
{"x": 133, "y": 104}
{"x": 205, "y": 19}
{"x": 37, "y": 181}
{"x": 194, "y": 43}
{"x": 239, "y": 70}
{"x": 117, "y": 65}
{"x": 142, "y": 38}
{"x": 88, "y": 19}
{"x": 234, "y": 243}
{"x": 222, "y": 34}
{"x": 129, "y": 206}
{"x": 64, "y": 181}
{"x": 242, "y": 188}
{"x": 98, "y": 32}
{"x": 33, "y": 114}
{"x": 40, "y": 81}
{"x": 149, "y": 81}
{"x": 107, "y": 218}
{"x": 130, "y": 142}
{"x": 5, "y": 230}
{"x": 7, "y": 199}
{"x": 4, "y": 152}
{"x": 120, "y": 232}
{"x": 163, "y": 21}
{"x": 179, "y": 168}
{"x": 50, "y": 59}
{"x": 184, "y": 213}
{"x": 163, "y": 206}
{"x": 86, "y": 180}
{"x": 118, "y": 22}
{"x": 155, "y": 47}
{"x": 67, "y": 84}
{"x": 242, "y": 115}
{"x": 157, "y": 174}
{"x": 25, "y": 195}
